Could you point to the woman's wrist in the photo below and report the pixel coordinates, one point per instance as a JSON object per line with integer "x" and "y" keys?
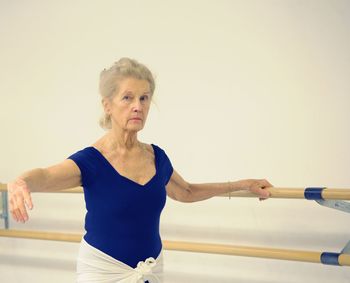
{"x": 239, "y": 185}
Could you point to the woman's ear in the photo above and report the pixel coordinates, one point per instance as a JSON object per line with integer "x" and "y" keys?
{"x": 106, "y": 105}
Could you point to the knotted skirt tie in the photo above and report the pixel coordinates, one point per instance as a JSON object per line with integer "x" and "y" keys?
{"x": 94, "y": 266}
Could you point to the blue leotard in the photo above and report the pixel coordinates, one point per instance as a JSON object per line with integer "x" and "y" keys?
{"x": 122, "y": 218}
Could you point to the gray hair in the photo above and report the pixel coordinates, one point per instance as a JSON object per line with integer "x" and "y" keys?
{"x": 110, "y": 78}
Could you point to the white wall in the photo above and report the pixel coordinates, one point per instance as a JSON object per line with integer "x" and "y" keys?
{"x": 245, "y": 89}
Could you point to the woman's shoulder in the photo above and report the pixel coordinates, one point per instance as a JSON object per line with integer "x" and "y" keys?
{"x": 149, "y": 147}
{"x": 100, "y": 145}
{"x": 160, "y": 151}
{"x": 156, "y": 146}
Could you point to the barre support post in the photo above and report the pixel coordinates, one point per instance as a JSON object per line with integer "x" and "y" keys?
{"x": 4, "y": 214}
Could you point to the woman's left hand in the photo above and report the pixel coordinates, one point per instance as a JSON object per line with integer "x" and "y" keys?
{"x": 259, "y": 187}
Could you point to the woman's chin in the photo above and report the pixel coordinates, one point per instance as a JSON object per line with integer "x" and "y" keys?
{"x": 135, "y": 128}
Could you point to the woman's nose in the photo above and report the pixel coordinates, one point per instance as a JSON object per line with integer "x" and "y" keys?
{"x": 137, "y": 106}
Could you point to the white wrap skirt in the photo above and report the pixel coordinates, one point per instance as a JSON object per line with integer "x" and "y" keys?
{"x": 95, "y": 266}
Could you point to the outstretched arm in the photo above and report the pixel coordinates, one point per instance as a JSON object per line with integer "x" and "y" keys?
{"x": 180, "y": 190}
{"x": 62, "y": 176}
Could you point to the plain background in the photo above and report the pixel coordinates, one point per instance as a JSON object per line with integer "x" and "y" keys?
{"x": 245, "y": 89}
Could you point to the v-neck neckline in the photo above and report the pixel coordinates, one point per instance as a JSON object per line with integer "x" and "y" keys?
{"x": 124, "y": 177}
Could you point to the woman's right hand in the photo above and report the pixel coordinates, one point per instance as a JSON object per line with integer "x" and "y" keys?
{"x": 19, "y": 200}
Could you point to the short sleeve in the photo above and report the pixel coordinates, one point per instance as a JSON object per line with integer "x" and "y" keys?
{"x": 166, "y": 167}
{"x": 86, "y": 164}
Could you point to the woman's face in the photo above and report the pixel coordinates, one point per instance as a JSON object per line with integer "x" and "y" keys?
{"x": 129, "y": 107}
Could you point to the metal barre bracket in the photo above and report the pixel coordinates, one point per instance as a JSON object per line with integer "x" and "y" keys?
{"x": 4, "y": 214}
{"x": 338, "y": 205}
{"x": 346, "y": 249}
{"x": 333, "y": 258}
{"x": 335, "y": 204}
{"x": 316, "y": 195}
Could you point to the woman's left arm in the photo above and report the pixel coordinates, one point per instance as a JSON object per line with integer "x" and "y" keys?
{"x": 180, "y": 190}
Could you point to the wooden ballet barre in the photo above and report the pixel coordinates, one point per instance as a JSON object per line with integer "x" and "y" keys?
{"x": 289, "y": 193}
{"x": 270, "y": 253}
{"x": 296, "y": 193}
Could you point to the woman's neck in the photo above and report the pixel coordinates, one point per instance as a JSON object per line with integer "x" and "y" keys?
{"x": 122, "y": 141}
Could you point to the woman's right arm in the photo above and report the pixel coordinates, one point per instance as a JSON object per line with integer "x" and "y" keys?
{"x": 61, "y": 176}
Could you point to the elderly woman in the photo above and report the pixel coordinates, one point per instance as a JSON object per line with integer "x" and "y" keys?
{"x": 125, "y": 185}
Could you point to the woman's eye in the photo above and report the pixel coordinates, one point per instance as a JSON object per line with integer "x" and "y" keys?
{"x": 144, "y": 98}
{"x": 126, "y": 97}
